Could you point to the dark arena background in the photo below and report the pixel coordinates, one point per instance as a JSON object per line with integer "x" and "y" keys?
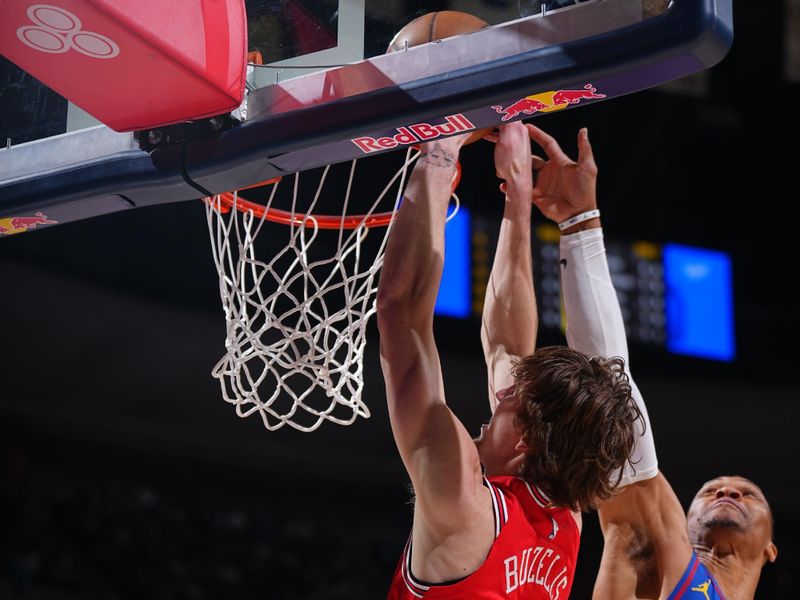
{"x": 123, "y": 475}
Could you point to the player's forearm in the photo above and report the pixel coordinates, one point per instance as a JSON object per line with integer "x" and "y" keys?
{"x": 510, "y": 318}
{"x": 595, "y": 326}
{"x": 412, "y": 265}
{"x": 594, "y": 317}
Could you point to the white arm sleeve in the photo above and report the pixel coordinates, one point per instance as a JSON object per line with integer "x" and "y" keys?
{"x": 595, "y": 327}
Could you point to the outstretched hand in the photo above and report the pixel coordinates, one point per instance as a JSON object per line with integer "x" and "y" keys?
{"x": 563, "y": 187}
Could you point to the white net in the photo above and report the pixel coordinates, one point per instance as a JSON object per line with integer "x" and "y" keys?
{"x": 296, "y": 322}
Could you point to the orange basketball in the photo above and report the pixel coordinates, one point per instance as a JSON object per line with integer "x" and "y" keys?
{"x": 437, "y": 26}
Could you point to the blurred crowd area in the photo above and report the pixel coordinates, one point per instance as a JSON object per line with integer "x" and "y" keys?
{"x": 116, "y": 532}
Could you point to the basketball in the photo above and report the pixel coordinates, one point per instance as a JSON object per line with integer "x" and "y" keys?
{"x": 438, "y": 26}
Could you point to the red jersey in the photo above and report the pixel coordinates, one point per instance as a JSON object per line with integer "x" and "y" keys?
{"x": 532, "y": 558}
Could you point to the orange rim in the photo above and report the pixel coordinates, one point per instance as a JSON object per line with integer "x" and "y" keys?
{"x": 227, "y": 201}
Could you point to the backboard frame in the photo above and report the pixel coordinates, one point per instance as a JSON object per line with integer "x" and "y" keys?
{"x": 690, "y": 36}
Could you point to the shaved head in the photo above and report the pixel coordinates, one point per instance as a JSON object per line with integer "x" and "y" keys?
{"x": 732, "y": 512}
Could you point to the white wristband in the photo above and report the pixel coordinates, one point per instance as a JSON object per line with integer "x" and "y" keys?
{"x": 589, "y": 214}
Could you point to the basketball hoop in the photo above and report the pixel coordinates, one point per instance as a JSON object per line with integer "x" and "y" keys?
{"x": 296, "y": 323}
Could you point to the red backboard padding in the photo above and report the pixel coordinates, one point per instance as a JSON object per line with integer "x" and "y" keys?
{"x": 132, "y": 64}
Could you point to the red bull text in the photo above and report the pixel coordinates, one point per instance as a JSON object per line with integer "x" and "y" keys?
{"x": 547, "y": 102}
{"x": 13, "y": 225}
{"x": 415, "y": 134}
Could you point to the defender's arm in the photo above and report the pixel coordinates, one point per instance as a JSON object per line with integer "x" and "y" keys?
{"x": 646, "y": 545}
{"x": 595, "y": 325}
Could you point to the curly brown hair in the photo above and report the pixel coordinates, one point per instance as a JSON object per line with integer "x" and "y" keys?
{"x": 577, "y": 418}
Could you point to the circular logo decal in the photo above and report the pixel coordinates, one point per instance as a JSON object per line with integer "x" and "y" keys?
{"x": 57, "y": 30}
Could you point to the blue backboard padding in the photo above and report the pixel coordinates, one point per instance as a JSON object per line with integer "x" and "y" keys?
{"x": 454, "y": 292}
{"x": 699, "y": 302}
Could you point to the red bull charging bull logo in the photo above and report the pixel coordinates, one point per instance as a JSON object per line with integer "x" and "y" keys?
{"x": 414, "y": 134}
{"x": 13, "y": 225}
{"x": 547, "y": 102}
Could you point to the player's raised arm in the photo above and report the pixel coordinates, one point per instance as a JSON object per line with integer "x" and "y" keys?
{"x": 594, "y": 323}
{"x": 436, "y": 449}
{"x": 643, "y": 525}
{"x": 566, "y": 193}
{"x": 510, "y": 320}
